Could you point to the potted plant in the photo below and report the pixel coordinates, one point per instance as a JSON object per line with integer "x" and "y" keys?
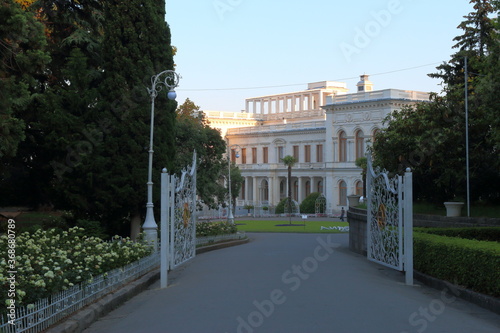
{"x": 265, "y": 209}
{"x": 248, "y": 208}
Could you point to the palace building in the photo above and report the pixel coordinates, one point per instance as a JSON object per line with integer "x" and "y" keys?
{"x": 325, "y": 128}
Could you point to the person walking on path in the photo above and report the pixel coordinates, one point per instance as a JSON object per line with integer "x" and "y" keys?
{"x": 342, "y": 213}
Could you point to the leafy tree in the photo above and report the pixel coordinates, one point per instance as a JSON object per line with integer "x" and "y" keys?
{"x": 289, "y": 162}
{"x": 194, "y": 133}
{"x": 236, "y": 182}
{"x": 425, "y": 139}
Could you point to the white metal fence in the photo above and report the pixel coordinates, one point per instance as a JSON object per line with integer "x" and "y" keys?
{"x": 49, "y": 311}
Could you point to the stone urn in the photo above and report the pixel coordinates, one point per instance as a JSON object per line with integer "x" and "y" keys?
{"x": 453, "y": 208}
{"x": 353, "y": 200}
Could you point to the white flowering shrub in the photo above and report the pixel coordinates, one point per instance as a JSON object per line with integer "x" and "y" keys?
{"x": 49, "y": 261}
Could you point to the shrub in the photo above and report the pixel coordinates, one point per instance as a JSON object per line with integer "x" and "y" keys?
{"x": 280, "y": 207}
{"x": 469, "y": 263}
{"x": 308, "y": 206}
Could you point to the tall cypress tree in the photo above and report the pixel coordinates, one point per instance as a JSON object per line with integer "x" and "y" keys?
{"x": 136, "y": 46}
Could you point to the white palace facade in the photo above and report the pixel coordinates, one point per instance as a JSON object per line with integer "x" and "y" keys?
{"x": 324, "y": 127}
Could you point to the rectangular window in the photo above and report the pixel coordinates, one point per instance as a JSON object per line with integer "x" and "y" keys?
{"x": 254, "y": 155}
{"x": 319, "y": 153}
{"x": 243, "y": 156}
{"x": 296, "y": 153}
{"x": 307, "y": 153}
{"x": 265, "y": 152}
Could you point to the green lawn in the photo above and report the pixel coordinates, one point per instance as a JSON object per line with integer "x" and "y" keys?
{"x": 311, "y": 226}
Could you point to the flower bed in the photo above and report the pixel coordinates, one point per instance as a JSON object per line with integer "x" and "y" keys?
{"x": 51, "y": 261}
{"x": 204, "y": 229}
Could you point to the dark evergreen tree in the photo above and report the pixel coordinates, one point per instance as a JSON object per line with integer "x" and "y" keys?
{"x": 23, "y": 61}
{"x": 113, "y": 176}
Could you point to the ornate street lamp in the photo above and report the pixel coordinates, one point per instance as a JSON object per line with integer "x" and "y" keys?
{"x": 236, "y": 148}
{"x": 169, "y": 79}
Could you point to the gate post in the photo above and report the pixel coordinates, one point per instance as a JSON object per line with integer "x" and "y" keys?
{"x": 164, "y": 247}
{"x": 408, "y": 226}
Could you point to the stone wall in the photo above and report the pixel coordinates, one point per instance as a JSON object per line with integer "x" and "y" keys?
{"x": 358, "y": 227}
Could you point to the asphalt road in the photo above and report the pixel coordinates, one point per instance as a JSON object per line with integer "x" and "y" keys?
{"x": 293, "y": 283}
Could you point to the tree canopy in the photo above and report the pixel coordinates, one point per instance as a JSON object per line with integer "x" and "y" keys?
{"x": 194, "y": 133}
{"x": 430, "y": 137}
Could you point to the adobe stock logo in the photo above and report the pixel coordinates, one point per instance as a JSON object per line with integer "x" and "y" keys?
{"x": 224, "y": 6}
{"x": 372, "y": 29}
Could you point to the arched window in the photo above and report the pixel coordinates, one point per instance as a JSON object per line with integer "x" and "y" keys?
{"x": 342, "y": 147}
{"x": 296, "y": 191}
{"x": 359, "y": 187}
{"x": 320, "y": 186}
{"x": 308, "y": 188}
{"x": 360, "y": 144}
{"x": 265, "y": 189}
{"x": 342, "y": 193}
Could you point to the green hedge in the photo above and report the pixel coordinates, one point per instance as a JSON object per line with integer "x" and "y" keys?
{"x": 472, "y": 264}
{"x": 308, "y": 205}
{"x": 491, "y": 234}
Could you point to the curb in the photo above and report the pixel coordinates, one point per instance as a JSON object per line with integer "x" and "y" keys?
{"x": 487, "y": 302}
{"x": 85, "y": 317}
{"x": 221, "y": 245}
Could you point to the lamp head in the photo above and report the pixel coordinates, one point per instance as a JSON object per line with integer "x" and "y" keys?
{"x": 237, "y": 155}
{"x": 172, "y": 95}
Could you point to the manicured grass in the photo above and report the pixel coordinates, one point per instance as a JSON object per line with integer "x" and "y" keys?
{"x": 311, "y": 226}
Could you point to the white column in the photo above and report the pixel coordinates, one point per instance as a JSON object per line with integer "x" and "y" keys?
{"x": 276, "y": 191}
{"x": 300, "y": 195}
{"x": 262, "y": 101}
{"x": 247, "y": 185}
{"x": 254, "y": 190}
{"x": 328, "y": 147}
{"x": 328, "y": 191}
{"x": 350, "y": 150}
{"x": 247, "y": 105}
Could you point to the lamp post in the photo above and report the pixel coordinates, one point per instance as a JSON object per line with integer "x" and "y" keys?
{"x": 230, "y": 217}
{"x": 169, "y": 79}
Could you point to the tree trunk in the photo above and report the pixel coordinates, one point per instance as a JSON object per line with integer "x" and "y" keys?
{"x": 135, "y": 226}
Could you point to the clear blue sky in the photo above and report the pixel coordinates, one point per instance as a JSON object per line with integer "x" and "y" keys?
{"x": 229, "y": 48}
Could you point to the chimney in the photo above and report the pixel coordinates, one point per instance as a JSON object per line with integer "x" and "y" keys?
{"x": 364, "y": 84}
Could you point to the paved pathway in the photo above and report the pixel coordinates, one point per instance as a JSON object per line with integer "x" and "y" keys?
{"x": 293, "y": 283}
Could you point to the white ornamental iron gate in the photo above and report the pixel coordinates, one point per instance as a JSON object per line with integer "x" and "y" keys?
{"x": 178, "y": 222}
{"x": 390, "y": 219}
